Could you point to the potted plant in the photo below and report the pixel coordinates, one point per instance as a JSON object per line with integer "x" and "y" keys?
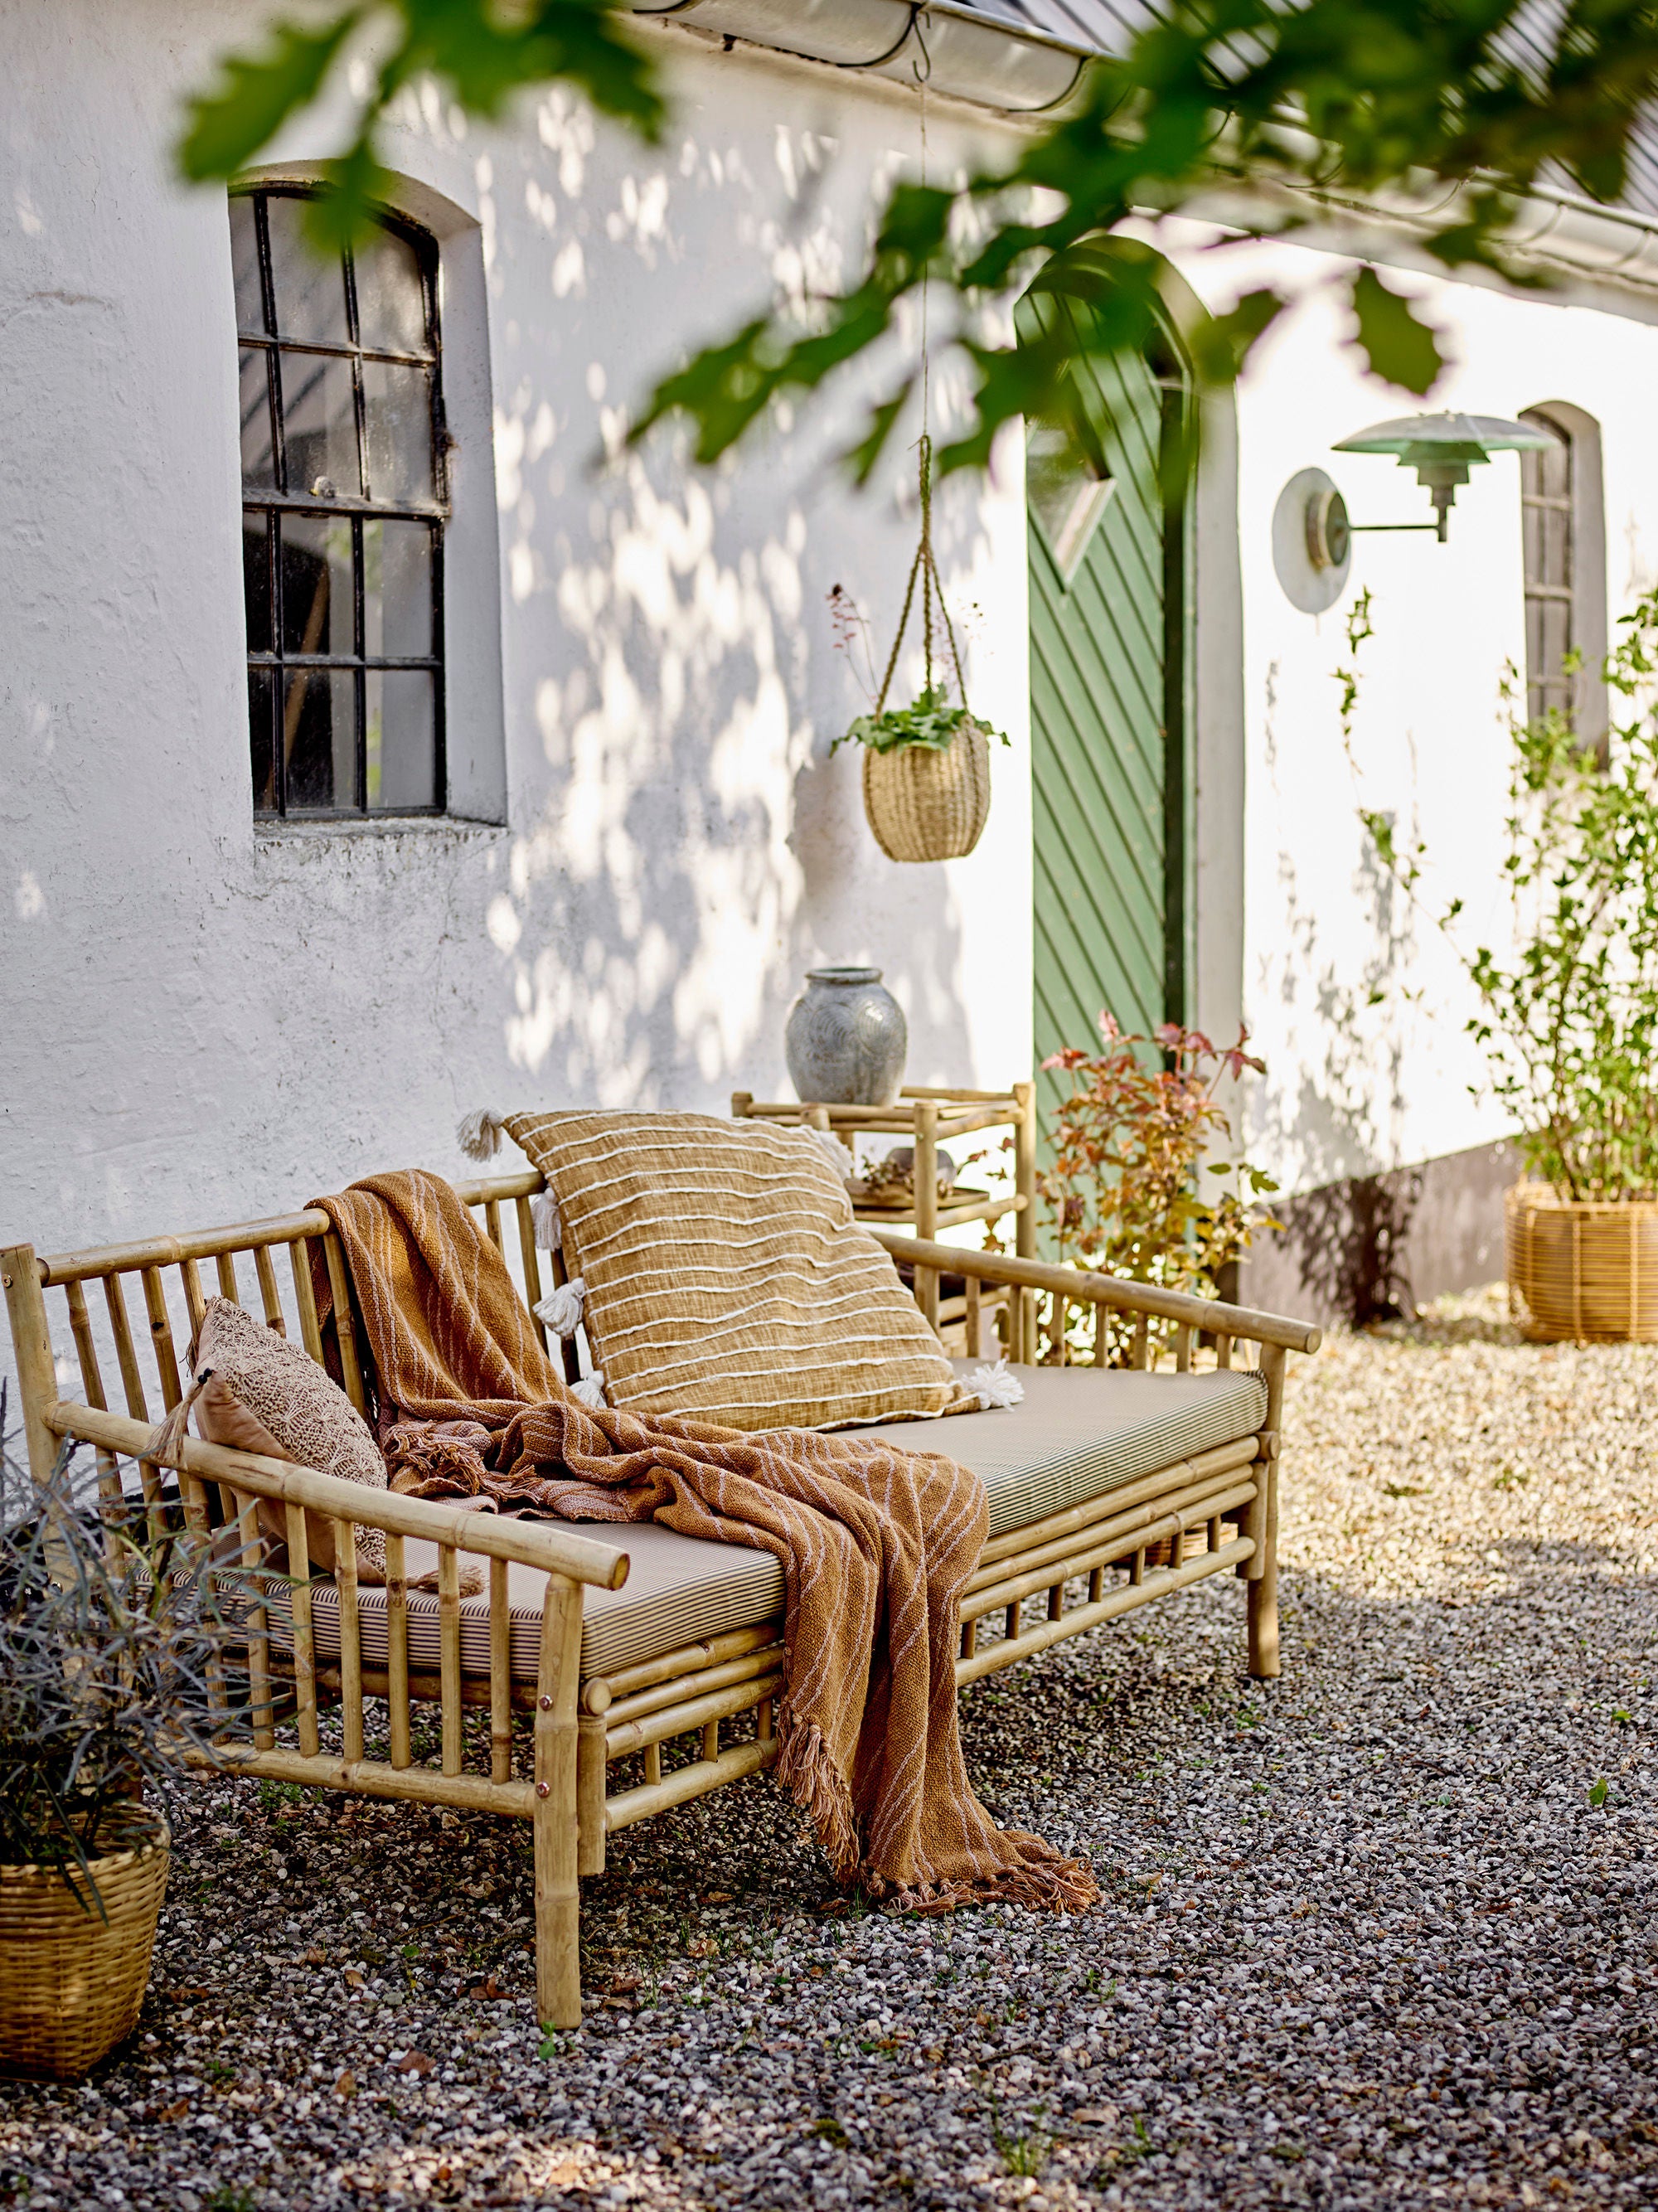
{"x": 927, "y": 766}
{"x": 1143, "y": 1126}
{"x": 1568, "y": 1014}
{"x": 111, "y": 1666}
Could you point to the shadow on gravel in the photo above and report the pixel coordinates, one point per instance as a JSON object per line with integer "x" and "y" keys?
{"x": 1369, "y": 1939}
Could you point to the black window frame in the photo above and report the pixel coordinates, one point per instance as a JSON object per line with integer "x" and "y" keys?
{"x": 357, "y": 508}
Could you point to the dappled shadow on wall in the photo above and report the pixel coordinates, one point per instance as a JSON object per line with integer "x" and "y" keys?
{"x": 684, "y": 848}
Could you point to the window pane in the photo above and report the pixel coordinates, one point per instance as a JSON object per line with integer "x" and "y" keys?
{"x": 401, "y": 734}
{"x": 319, "y": 735}
{"x": 310, "y": 287}
{"x": 397, "y": 411}
{"x": 396, "y": 590}
{"x": 261, "y": 707}
{"x": 258, "y": 463}
{"x": 318, "y": 613}
{"x": 391, "y": 294}
{"x": 320, "y": 422}
{"x": 256, "y": 581}
{"x": 245, "y": 265}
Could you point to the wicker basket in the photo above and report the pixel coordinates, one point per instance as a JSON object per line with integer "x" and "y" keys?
{"x": 1582, "y": 1269}
{"x": 71, "y": 1984}
{"x": 924, "y": 805}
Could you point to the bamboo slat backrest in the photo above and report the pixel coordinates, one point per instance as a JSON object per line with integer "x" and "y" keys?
{"x": 120, "y": 1294}
{"x": 157, "y": 1291}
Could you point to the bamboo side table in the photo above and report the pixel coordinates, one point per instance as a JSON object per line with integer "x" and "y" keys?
{"x": 929, "y": 1118}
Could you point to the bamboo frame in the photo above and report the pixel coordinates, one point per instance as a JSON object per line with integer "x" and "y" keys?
{"x": 583, "y": 1727}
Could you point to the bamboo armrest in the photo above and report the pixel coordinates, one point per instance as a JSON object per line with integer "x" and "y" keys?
{"x": 1116, "y": 1291}
{"x": 556, "y": 1550}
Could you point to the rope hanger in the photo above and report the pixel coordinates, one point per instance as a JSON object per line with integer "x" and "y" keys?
{"x": 923, "y": 566}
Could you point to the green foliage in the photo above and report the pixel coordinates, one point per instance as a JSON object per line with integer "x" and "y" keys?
{"x": 930, "y": 724}
{"x": 1129, "y": 1148}
{"x": 1569, "y": 1019}
{"x": 111, "y": 1653}
{"x": 481, "y": 52}
{"x": 1298, "y": 98}
{"x": 1295, "y": 99}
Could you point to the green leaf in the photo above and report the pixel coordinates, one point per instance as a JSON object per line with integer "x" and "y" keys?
{"x": 861, "y": 458}
{"x": 256, "y": 95}
{"x": 1397, "y": 345}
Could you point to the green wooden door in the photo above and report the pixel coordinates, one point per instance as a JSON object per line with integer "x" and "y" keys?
{"x": 1107, "y": 686}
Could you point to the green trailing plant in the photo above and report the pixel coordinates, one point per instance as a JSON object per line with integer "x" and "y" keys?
{"x": 1134, "y": 1187}
{"x": 114, "y": 1666}
{"x": 930, "y": 724}
{"x": 1568, "y": 1013}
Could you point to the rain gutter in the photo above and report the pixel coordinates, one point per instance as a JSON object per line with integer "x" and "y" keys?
{"x": 1022, "y": 74}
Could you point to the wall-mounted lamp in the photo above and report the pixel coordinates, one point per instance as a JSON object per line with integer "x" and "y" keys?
{"x": 1441, "y": 449}
{"x": 1312, "y": 534}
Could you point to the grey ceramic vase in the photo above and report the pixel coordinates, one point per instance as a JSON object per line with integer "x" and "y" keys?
{"x": 846, "y": 1039}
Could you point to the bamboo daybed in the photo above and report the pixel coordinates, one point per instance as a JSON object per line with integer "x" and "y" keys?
{"x": 1141, "y": 1483}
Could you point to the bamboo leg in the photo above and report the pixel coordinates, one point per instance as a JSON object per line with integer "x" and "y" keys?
{"x": 558, "y": 1906}
{"x": 258, "y": 1623}
{"x": 1022, "y": 1304}
{"x": 1055, "y": 1600}
{"x": 345, "y": 1578}
{"x": 970, "y": 1637}
{"x": 396, "y": 1651}
{"x": 652, "y": 1762}
{"x": 764, "y": 1723}
{"x": 304, "y": 1654}
{"x": 590, "y": 1770}
{"x": 710, "y": 1740}
{"x": 449, "y": 1654}
{"x": 1095, "y": 1585}
{"x": 1011, "y": 1625}
{"x": 500, "y": 1675}
{"x": 974, "y": 1324}
{"x": 31, "y": 1338}
{"x": 1263, "y": 1578}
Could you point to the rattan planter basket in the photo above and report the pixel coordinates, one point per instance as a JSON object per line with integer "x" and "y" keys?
{"x": 1582, "y": 1269}
{"x": 927, "y": 805}
{"x": 71, "y": 1984}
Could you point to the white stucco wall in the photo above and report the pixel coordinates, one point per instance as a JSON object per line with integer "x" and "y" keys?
{"x": 1354, "y": 997}
{"x": 206, "y": 1021}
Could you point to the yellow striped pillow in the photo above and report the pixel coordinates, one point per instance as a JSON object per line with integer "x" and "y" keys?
{"x": 727, "y": 1279}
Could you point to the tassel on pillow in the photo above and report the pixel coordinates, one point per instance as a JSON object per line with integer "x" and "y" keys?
{"x": 479, "y": 1134}
{"x": 543, "y": 1214}
{"x": 996, "y": 1386}
{"x": 590, "y": 1390}
{"x": 560, "y": 1309}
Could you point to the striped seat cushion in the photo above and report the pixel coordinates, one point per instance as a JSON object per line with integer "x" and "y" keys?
{"x": 725, "y": 1277}
{"x": 1080, "y": 1433}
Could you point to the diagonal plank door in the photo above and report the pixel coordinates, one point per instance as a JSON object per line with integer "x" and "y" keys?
{"x": 1106, "y": 872}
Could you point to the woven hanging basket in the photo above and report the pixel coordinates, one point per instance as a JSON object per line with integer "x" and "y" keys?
{"x": 924, "y": 805}
{"x": 1583, "y": 1270}
{"x": 72, "y": 1982}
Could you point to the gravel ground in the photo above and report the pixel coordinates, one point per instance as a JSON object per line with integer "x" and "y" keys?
{"x": 1380, "y": 1934}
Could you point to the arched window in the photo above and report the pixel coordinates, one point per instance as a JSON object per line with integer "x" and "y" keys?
{"x": 1564, "y": 540}
{"x": 343, "y": 511}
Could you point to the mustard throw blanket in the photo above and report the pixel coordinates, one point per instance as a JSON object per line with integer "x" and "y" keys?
{"x": 875, "y": 1544}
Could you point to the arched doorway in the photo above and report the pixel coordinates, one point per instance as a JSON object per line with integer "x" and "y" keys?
{"x": 1109, "y": 657}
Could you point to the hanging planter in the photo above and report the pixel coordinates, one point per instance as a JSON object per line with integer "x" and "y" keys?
{"x": 927, "y": 766}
